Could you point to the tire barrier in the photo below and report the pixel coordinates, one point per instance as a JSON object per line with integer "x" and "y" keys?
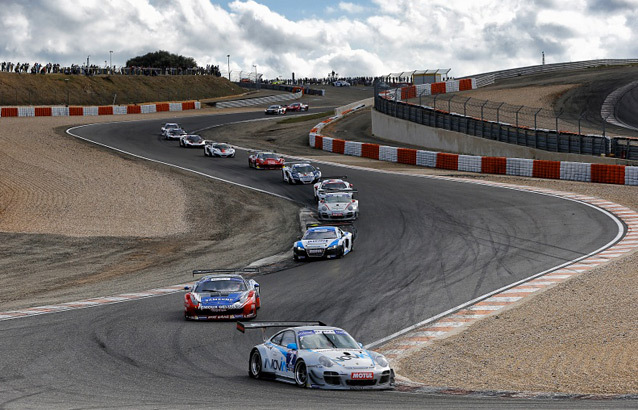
{"x": 564, "y": 170}
{"x": 101, "y": 110}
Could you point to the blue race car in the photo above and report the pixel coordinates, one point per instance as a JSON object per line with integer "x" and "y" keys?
{"x": 323, "y": 241}
{"x": 223, "y": 295}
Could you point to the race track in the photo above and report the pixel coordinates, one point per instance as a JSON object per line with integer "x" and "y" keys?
{"x": 424, "y": 245}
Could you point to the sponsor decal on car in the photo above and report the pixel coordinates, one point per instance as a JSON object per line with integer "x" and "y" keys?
{"x": 362, "y": 376}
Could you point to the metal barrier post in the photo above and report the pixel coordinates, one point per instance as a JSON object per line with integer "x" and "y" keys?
{"x": 482, "y": 119}
{"x": 464, "y": 107}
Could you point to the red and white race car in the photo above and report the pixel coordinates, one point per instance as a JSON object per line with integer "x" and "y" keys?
{"x": 297, "y": 106}
{"x": 265, "y": 160}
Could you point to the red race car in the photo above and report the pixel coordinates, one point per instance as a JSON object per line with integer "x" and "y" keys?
{"x": 297, "y": 106}
{"x": 265, "y": 160}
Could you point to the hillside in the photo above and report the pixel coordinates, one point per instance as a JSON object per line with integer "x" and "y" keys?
{"x": 61, "y": 89}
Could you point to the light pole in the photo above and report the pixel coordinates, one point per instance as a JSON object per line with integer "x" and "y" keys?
{"x": 255, "y": 67}
{"x": 111, "y": 61}
{"x": 228, "y": 56}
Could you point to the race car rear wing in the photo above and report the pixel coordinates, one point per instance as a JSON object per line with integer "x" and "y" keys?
{"x": 338, "y": 177}
{"x": 243, "y": 326}
{"x": 226, "y": 271}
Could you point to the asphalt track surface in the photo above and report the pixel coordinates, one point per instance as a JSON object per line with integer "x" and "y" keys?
{"x": 424, "y": 245}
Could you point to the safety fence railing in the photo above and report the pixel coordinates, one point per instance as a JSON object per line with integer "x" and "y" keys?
{"x": 281, "y": 87}
{"x": 530, "y": 127}
{"x": 489, "y": 78}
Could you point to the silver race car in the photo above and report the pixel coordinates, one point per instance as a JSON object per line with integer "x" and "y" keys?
{"x": 338, "y": 206}
{"x": 300, "y": 173}
{"x": 332, "y": 184}
{"x": 217, "y": 149}
{"x": 324, "y": 242}
{"x": 311, "y": 354}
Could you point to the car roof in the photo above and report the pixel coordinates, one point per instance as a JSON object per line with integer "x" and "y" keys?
{"x": 300, "y": 328}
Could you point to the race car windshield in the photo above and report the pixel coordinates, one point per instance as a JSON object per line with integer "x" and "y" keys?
{"x": 273, "y": 107}
{"x": 223, "y": 286}
{"x": 222, "y": 146}
{"x": 303, "y": 169}
{"x": 335, "y": 185}
{"x": 323, "y": 234}
{"x": 194, "y": 138}
{"x": 269, "y": 156}
{"x": 333, "y": 199}
{"x": 325, "y": 340}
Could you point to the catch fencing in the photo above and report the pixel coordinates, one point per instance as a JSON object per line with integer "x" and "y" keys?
{"x": 531, "y": 127}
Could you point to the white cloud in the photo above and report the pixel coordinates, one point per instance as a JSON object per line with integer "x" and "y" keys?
{"x": 468, "y": 36}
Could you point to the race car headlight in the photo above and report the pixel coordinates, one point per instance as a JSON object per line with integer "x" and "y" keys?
{"x": 350, "y": 207}
{"x": 324, "y": 208}
{"x": 381, "y": 361}
{"x": 325, "y": 362}
{"x": 332, "y": 247}
{"x": 295, "y": 174}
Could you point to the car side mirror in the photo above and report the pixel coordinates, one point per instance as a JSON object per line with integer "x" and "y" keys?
{"x": 292, "y": 346}
{"x": 187, "y": 288}
{"x": 256, "y": 285}
{"x": 361, "y": 345}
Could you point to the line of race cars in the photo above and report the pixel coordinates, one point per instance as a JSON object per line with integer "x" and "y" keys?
{"x": 277, "y": 109}
{"x": 308, "y": 354}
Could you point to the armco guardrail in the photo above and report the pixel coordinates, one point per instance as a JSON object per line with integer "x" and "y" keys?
{"x": 258, "y": 101}
{"x": 489, "y": 78}
{"x": 565, "y": 170}
{"x": 543, "y": 139}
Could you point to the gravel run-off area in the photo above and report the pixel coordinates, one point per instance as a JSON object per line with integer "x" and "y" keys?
{"x": 72, "y": 218}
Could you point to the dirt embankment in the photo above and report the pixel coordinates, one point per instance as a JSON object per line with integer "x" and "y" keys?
{"x": 61, "y": 89}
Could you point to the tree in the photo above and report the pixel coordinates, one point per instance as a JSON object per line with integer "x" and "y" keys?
{"x": 162, "y": 59}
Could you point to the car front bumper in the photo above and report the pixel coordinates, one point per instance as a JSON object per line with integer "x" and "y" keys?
{"x": 325, "y": 378}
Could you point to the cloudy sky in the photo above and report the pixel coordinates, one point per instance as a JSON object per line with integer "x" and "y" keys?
{"x": 313, "y": 38}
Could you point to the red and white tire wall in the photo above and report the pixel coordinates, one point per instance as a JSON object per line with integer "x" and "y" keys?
{"x": 571, "y": 171}
{"x": 97, "y": 110}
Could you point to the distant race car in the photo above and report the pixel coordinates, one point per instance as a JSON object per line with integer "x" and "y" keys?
{"x": 331, "y": 183}
{"x": 297, "y": 106}
{"x": 311, "y": 354}
{"x": 338, "y": 206}
{"x": 300, "y": 173}
{"x": 275, "y": 109}
{"x": 188, "y": 141}
{"x": 341, "y": 84}
{"x": 222, "y": 295}
{"x": 265, "y": 160}
{"x": 170, "y": 126}
{"x": 323, "y": 242}
{"x": 217, "y": 149}
{"x": 174, "y": 134}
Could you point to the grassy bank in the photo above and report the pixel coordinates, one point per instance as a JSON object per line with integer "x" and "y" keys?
{"x": 60, "y": 89}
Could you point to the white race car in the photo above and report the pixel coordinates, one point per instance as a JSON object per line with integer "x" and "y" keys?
{"x": 217, "y": 149}
{"x": 331, "y": 184}
{"x": 191, "y": 141}
{"x": 323, "y": 242}
{"x": 300, "y": 173}
{"x": 170, "y": 126}
{"x": 311, "y": 354}
{"x": 338, "y": 206}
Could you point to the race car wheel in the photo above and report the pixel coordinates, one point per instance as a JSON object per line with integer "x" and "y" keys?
{"x": 340, "y": 252}
{"x": 301, "y": 373}
{"x": 254, "y": 365}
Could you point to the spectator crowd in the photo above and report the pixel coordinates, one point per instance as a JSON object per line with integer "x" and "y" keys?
{"x": 50, "y": 68}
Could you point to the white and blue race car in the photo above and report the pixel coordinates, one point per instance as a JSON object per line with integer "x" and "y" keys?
{"x": 311, "y": 354}
{"x": 300, "y": 173}
{"x": 323, "y": 242}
